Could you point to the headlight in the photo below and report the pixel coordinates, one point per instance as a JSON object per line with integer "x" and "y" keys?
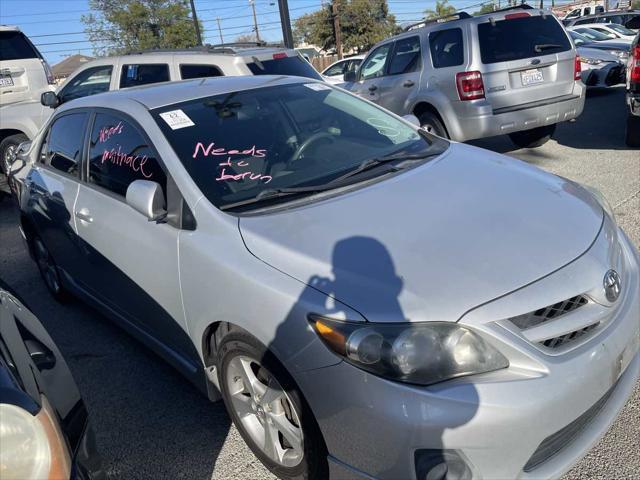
{"x": 422, "y": 354}
{"x": 604, "y": 203}
{"x": 621, "y": 54}
{"x": 591, "y": 61}
{"x": 32, "y": 446}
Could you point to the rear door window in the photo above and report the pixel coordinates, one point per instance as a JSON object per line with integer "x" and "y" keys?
{"x": 143, "y": 74}
{"x": 199, "y": 71}
{"x": 15, "y": 46}
{"x": 119, "y": 154}
{"x": 295, "y": 65}
{"x": 62, "y": 148}
{"x": 446, "y": 48}
{"x": 521, "y": 37}
{"x": 406, "y": 56}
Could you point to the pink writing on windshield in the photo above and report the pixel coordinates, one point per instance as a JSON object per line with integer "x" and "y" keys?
{"x": 221, "y": 151}
{"x": 107, "y": 132}
{"x": 243, "y": 176}
{"x": 134, "y": 162}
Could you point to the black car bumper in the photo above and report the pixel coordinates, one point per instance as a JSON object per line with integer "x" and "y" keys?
{"x": 87, "y": 464}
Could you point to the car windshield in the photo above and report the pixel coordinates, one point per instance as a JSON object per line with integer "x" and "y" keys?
{"x": 593, "y": 35}
{"x": 15, "y": 46}
{"x": 239, "y": 144}
{"x": 579, "y": 39}
{"x": 621, "y": 30}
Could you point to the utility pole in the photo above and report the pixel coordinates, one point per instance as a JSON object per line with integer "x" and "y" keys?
{"x": 195, "y": 23}
{"x": 219, "y": 30}
{"x": 255, "y": 20}
{"x": 336, "y": 27}
{"x": 287, "y": 34}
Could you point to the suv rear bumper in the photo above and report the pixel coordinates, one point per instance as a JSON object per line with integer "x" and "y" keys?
{"x": 473, "y": 120}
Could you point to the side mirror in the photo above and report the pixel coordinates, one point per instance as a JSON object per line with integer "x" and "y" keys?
{"x": 412, "y": 119}
{"x": 50, "y": 99}
{"x": 350, "y": 76}
{"x": 147, "y": 198}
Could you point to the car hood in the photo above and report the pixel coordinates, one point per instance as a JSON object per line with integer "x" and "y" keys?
{"x": 596, "y": 54}
{"x": 610, "y": 45}
{"x": 434, "y": 241}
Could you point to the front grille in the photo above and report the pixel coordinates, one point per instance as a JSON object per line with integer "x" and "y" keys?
{"x": 550, "y": 312}
{"x": 553, "y": 444}
{"x": 557, "y": 342}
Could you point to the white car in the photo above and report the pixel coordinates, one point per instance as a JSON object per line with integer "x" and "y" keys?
{"x": 334, "y": 73}
{"x": 24, "y": 74}
{"x": 597, "y": 36}
{"x": 612, "y": 30}
{"x": 600, "y": 68}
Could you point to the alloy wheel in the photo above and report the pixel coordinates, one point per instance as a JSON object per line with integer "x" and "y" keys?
{"x": 46, "y": 266}
{"x": 267, "y": 413}
{"x": 7, "y": 156}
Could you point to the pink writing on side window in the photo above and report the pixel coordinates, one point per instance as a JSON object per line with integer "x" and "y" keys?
{"x": 220, "y": 151}
{"x": 107, "y": 132}
{"x": 135, "y": 163}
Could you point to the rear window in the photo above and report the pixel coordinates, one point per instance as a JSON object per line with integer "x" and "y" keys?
{"x": 521, "y": 37}
{"x": 199, "y": 71}
{"x": 15, "y": 46}
{"x": 284, "y": 66}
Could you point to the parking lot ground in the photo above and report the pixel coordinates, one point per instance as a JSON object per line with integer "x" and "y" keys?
{"x": 152, "y": 424}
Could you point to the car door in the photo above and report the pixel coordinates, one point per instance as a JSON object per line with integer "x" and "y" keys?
{"x": 373, "y": 68}
{"x": 131, "y": 264}
{"x": 403, "y": 75}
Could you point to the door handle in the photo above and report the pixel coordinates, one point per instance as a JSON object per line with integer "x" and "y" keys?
{"x": 84, "y": 215}
{"x": 408, "y": 83}
{"x": 373, "y": 88}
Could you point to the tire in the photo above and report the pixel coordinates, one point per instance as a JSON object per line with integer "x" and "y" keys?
{"x": 6, "y": 146}
{"x": 258, "y": 410}
{"x": 632, "y": 137}
{"x": 432, "y": 124}
{"x": 48, "y": 270}
{"x": 533, "y": 138}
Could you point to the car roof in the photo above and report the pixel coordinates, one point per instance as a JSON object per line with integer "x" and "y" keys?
{"x": 9, "y": 28}
{"x": 160, "y": 94}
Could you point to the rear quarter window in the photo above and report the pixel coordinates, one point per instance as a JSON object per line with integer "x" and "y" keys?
{"x": 522, "y": 37}
{"x": 295, "y": 65}
{"x": 446, "y": 48}
{"x": 15, "y": 46}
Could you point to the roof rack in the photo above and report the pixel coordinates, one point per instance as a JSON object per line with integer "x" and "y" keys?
{"x": 461, "y": 16}
{"x": 227, "y": 48}
{"x": 429, "y": 21}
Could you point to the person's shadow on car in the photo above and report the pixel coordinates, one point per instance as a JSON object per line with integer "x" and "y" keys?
{"x": 374, "y": 424}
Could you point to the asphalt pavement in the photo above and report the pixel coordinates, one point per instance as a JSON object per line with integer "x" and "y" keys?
{"x": 150, "y": 423}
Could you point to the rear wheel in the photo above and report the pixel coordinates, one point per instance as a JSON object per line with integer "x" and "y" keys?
{"x": 430, "y": 122}
{"x": 48, "y": 270}
{"x": 269, "y": 411}
{"x": 632, "y": 137}
{"x": 7, "y": 147}
{"x": 533, "y": 138}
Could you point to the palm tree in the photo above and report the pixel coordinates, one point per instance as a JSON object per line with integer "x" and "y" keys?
{"x": 443, "y": 9}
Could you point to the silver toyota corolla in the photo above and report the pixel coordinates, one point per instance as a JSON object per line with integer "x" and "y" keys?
{"x": 369, "y": 300}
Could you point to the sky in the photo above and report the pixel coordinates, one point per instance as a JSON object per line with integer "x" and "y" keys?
{"x": 54, "y": 26}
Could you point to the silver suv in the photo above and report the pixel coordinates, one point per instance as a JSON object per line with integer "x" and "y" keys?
{"x": 513, "y": 71}
{"x": 20, "y": 122}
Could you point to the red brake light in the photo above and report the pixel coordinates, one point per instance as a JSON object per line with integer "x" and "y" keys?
{"x": 635, "y": 65}
{"x": 511, "y": 16}
{"x": 279, "y": 55}
{"x": 577, "y": 68}
{"x": 470, "y": 85}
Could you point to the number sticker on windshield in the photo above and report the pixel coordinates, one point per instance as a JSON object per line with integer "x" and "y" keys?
{"x": 177, "y": 119}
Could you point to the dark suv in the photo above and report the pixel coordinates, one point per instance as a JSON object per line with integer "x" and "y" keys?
{"x": 633, "y": 91}
{"x": 621, "y": 17}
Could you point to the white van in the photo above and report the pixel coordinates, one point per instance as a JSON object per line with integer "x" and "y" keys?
{"x": 24, "y": 74}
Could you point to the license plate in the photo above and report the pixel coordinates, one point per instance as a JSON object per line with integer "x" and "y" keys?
{"x": 6, "y": 81}
{"x": 531, "y": 77}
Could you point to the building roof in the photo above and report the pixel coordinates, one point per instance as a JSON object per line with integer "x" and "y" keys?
{"x": 69, "y": 65}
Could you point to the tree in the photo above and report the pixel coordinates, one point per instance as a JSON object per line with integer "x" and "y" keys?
{"x": 442, "y": 9}
{"x": 120, "y": 26}
{"x": 362, "y": 24}
{"x": 248, "y": 38}
{"x": 485, "y": 8}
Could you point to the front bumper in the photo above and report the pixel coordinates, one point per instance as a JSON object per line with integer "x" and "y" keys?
{"x": 495, "y": 422}
{"x": 87, "y": 464}
{"x": 472, "y": 120}
{"x": 604, "y": 75}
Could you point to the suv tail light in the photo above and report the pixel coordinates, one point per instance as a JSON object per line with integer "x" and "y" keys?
{"x": 577, "y": 68}
{"x": 470, "y": 85}
{"x": 634, "y": 75}
{"x": 49, "y": 73}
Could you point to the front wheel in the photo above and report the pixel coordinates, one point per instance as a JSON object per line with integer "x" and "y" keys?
{"x": 533, "y": 138}
{"x": 269, "y": 411}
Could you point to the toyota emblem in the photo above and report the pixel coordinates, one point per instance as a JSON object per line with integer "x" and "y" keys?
{"x": 612, "y": 285}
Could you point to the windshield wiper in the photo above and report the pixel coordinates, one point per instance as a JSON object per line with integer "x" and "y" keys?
{"x": 368, "y": 164}
{"x": 545, "y": 46}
